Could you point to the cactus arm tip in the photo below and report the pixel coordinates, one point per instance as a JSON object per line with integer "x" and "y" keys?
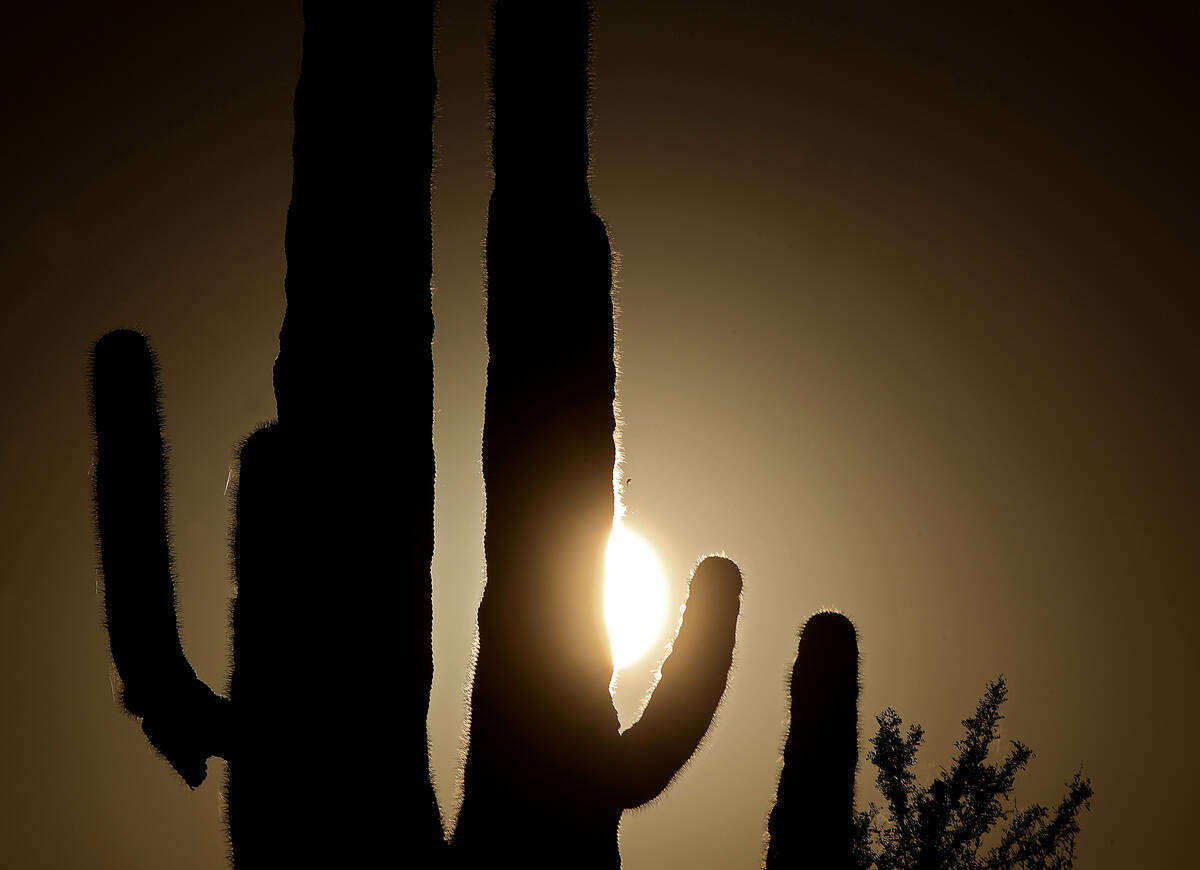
{"x": 694, "y": 677}
{"x": 812, "y": 821}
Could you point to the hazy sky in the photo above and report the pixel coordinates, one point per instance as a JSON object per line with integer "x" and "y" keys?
{"x": 907, "y": 329}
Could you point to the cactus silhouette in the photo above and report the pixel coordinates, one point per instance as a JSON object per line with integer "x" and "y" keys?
{"x": 811, "y": 824}
{"x": 324, "y": 727}
{"x": 544, "y": 738}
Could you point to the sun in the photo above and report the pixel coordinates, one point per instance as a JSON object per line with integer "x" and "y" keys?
{"x": 635, "y": 596}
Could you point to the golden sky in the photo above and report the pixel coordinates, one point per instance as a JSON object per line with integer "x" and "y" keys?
{"x": 907, "y": 328}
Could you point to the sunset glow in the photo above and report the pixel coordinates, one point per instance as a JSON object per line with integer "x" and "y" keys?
{"x": 635, "y": 596}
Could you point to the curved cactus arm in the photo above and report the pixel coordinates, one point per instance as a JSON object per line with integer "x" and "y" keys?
{"x": 693, "y": 681}
{"x": 182, "y": 717}
{"x": 811, "y": 825}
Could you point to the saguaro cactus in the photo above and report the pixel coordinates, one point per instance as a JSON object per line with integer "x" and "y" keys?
{"x": 811, "y": 824}
{"x": 545, "y": 748}
{"x": 332, "y": 660}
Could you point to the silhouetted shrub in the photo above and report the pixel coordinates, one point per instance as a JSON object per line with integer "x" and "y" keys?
{"x": 945, "y": 825}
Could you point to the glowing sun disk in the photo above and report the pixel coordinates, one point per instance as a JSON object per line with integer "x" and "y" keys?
{"x": 635, "y": 596}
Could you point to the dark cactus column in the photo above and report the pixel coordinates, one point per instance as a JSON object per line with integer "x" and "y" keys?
{"x": 325, "y": 728}
{"x": 334, "y": 538}
{"x": 547, "y": 773}
{"x": 811, "y": 825}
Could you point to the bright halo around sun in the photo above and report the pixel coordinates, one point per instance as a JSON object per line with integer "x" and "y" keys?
{"x": 635, "y": 596}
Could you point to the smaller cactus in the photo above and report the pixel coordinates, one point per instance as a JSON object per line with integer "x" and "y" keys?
{"x": 812, "y": 822}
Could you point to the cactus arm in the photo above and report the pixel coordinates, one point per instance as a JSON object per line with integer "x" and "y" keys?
{"x": 811, "y": 823}
{"x": 694, "y": 676}
{"x": 182, "y": 717}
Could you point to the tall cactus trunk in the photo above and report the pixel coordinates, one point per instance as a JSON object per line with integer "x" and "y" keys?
{"x": 548, "y": 457}
{"x": 325, "y": 729}
{"x": 545, "y": 748}
{"x": 344, "y": 507}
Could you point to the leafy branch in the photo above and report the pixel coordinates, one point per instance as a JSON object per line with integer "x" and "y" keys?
{"x": 943, "y": 826}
